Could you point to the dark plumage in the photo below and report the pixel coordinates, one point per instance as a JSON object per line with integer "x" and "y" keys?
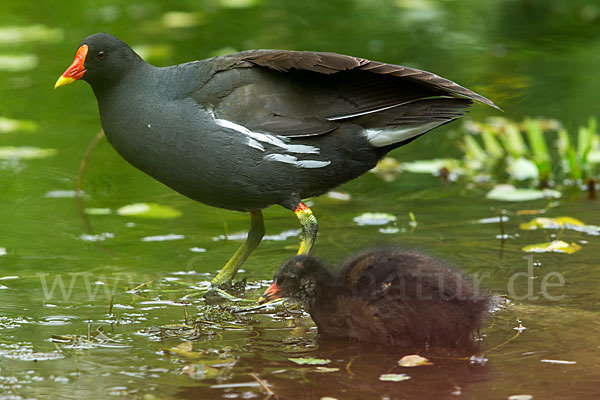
{"x": 261, "y": 127}
{"x": 387, "y": 296}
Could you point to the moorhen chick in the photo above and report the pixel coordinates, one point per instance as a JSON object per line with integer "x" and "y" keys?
{"x": 261, "y": 127}
{"x": 385, "y": 296}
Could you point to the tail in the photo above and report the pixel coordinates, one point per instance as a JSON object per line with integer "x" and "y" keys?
{"x": 400, "y": 125}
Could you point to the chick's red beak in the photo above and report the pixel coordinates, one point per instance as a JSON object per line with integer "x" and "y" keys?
{"x": 271, "y": 293}
{"x": 76, "y": 70}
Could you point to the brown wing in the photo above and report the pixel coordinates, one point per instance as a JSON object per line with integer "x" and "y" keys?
{"x": 330, "y": 63}
{"x": 293, "y": 93}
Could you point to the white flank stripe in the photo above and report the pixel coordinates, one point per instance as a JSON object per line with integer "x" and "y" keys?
{"x": 284, "y": 158}
{"x": 289, "y": 159}
{"x": 313, "y": 163}
{"x": 301, "y": 149}
{"x": 278, "y": 141}
{"x": 384, "y": 137}
{"x": 255, "y": 144}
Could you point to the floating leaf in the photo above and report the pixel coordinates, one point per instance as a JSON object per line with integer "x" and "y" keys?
{"x": 413, "y": 360}
{"x": 560, "y": 223}
{"x": 550, "y": 223}
{"x": 18, "y": 62}
{"x": 556, "y": 246}
{"x": 148, "y": 210}
{"x": 98, "y": 211}
{"x": 374, "y": 219}
{"x": 564, "y": 362}
{"x": 310, "y": 361}
{"x": 61, "y": 194}
{"x": 520, "y": 397}
{"x": 96, "y": 238}
{"x": 492, "y": 220}
{"x": 24, "y": 152}
{"x": 326, "y": 369}
{"x": 12, "y": 125}
{"x": 343, "y": 196}
{"x": 35, "y": 33}
{"x": 394, "y": 377}
{"x": 433, "y": 166}
{"x": 162, "y": 238}
{"x": 510, "y": 193}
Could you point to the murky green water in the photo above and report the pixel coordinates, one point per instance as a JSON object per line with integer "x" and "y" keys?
{"x": 83, "y": 319}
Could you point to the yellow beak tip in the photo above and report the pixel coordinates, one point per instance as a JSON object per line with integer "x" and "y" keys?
{"x": 62, "y": 81}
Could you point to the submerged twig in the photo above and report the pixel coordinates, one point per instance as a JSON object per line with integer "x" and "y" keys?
{"x": 502, "y": 237}
{"x": 497, "y": 347}
{"x": 82, "y": 168}
{"x": 264, "y": 385}
{"x": 348, "y": 368}
{"x": 591, "y": 189}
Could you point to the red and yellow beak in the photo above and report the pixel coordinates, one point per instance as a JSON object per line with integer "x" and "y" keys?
{"x": 271, "y": 293}
{"x": 76, "y": 70}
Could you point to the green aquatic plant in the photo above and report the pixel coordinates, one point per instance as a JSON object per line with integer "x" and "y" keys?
{"x": 535, "y": 152}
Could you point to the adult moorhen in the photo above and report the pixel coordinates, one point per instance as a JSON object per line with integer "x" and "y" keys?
{"x": 386, "y": 296}
{"x": 260, "y": 127}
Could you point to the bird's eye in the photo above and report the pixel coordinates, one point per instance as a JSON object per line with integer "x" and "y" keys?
{"x": 101, "y": 55}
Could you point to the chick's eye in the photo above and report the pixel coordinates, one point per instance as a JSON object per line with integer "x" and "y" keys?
{"x": 101, "y": 55}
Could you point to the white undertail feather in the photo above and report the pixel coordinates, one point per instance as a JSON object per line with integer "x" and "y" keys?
{"x": 380, "y": 137}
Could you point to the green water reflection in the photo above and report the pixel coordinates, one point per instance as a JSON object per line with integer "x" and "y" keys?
{"x": 533, "y": 58}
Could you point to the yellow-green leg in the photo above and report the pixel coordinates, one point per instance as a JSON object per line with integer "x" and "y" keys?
{"x": 255, "y": 235}
{"x": 309, "y": 228}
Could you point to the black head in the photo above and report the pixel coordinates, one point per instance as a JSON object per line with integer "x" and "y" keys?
{"x": 101, "y": 60}
{"x": 303, "y": 278}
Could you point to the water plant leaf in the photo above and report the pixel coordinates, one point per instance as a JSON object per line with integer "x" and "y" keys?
{"x": 413, "y": 360}
{"x": 310, "y": 361}
{"x": 24, "y": 153}
{"x": 148, "y": 210}
{"x": 11, "y": 125}
{"x": 374, "y": 219}
{"x": 555, "y": 246}
{"x": 522, "y": 169}
{"x": 537, "y": 141}
{"x": 185, "y": 349}
{"x": 512, "y": 140}
{"x": 200, "y": 371}
{"x": 511, "y": 193}
{"x": 394, "y": 377}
